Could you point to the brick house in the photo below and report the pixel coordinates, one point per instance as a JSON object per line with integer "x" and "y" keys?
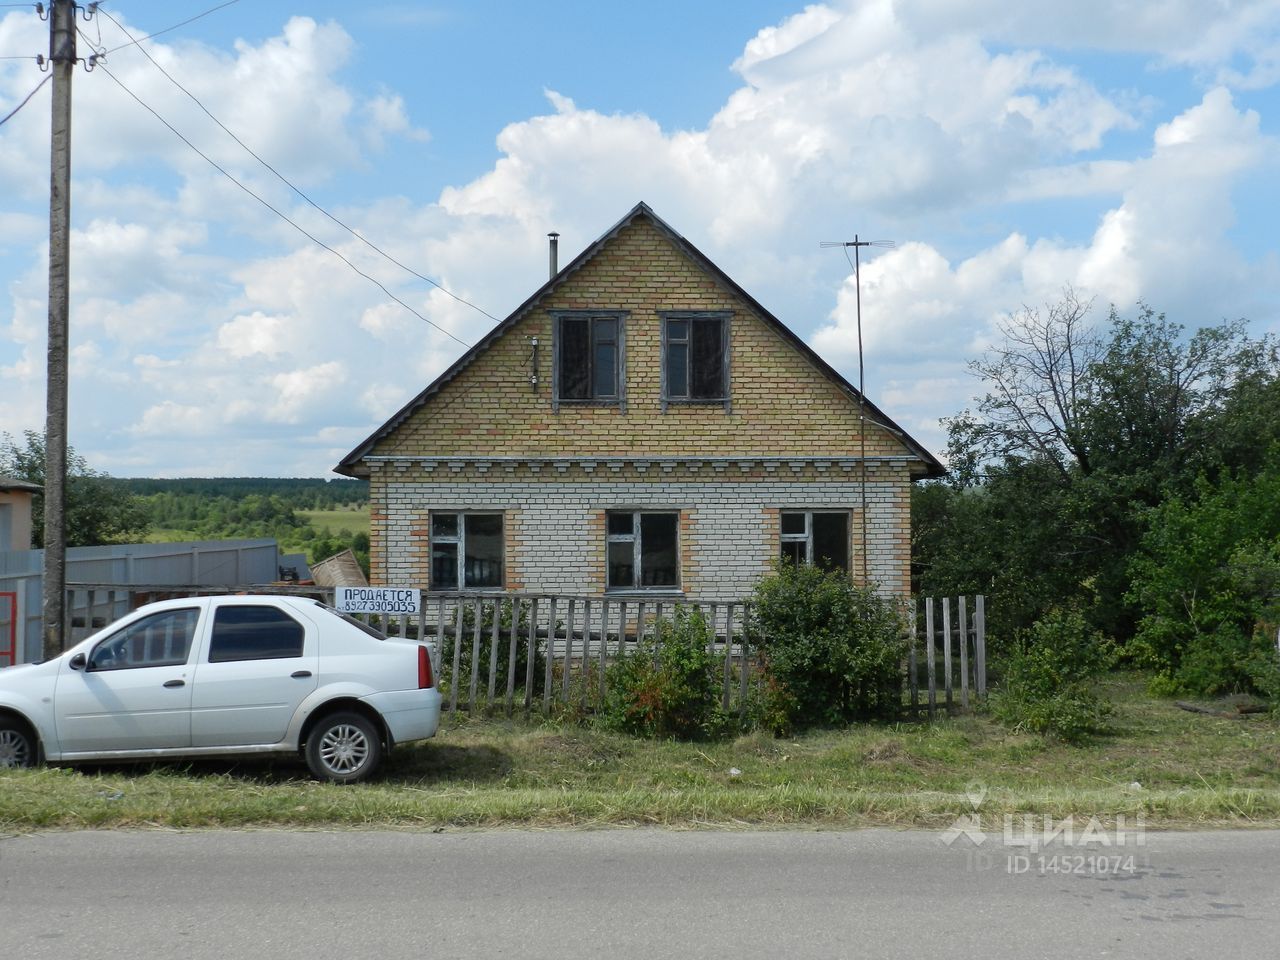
{"x": 638, "y": 426}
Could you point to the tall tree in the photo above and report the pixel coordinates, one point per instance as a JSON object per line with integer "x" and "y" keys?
{"x": 97, "y": 511}
{"x": 1081, "y": 431}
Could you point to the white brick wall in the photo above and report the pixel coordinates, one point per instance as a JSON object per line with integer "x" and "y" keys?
{"x": 727, "y": 548}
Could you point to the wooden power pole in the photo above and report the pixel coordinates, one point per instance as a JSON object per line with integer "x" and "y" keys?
{"x": 62, "y": 61}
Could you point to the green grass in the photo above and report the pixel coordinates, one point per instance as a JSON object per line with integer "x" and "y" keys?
{"x": 345, "y": 520}
{"x": 1189, "y": 770}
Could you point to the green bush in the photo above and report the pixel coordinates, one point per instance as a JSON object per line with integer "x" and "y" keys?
{"x": 836, "y": 650}
{"x": 668, "y": 688}
{"x": 1049, "y": 679}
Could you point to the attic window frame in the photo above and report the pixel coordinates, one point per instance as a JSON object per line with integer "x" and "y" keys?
{"x": 620, "y": 362}
{"x": 698, "y": 316}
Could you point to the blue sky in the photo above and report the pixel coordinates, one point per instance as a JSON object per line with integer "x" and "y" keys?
{"x": 1126, "y": 149}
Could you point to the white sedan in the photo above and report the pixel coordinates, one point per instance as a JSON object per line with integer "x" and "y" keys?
{"x": 220, "y": 676}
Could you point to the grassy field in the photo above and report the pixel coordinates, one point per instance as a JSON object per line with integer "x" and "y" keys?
{"x": 1173, "y": 768}
{"x": 339, "y": 521}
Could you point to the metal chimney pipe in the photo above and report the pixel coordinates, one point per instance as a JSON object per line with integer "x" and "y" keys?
{"x": 554, "y": 253}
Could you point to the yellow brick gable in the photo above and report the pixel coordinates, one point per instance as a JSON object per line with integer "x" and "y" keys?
{"x": 781, "y": 404}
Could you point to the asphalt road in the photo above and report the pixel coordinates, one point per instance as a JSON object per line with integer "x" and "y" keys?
{"x": 633, "y": 893}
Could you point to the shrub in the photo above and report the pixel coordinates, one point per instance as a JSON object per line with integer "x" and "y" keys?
{"x": 835, "y": 649}
{"x": 668, "y": 688}
{"x": 1049, "y": 679}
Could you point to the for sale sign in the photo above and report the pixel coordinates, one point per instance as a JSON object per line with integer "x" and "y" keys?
{"x": 376, "y": 599}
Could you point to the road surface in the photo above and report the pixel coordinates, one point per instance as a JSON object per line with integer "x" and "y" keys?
{"x": 619, "y": 894}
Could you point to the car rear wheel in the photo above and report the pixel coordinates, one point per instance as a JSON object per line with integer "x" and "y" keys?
{"x": 343, "y": 748}
{"x": 17, "y": 745}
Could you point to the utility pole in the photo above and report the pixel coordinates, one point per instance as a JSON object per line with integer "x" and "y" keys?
{"x": 62, "y": 61}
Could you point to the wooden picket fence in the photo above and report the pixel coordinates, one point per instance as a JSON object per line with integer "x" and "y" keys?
{"x": 951, "y": 650}
{"x": 557, "y": 648}
{"x": 493, "y": 650}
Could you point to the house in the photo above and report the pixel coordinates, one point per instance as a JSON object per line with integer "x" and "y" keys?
{"x": 639, "y": 426}
{"x": 16, "y": 498}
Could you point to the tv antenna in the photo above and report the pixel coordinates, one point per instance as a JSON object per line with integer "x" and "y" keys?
{"x": 855, "y": 263}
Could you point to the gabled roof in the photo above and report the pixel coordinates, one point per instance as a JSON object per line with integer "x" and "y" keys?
{"x": 934, "y": 467}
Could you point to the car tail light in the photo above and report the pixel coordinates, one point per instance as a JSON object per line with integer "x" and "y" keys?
{"x": 425, "y": 678}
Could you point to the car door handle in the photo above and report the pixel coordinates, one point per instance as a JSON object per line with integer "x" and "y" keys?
{"x": 175, "y": 683}
{"x": 300, "y": 674}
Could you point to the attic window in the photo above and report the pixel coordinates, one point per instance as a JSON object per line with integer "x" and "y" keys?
{"x": 695, "y": 358}
{"x": 589, "y": 357}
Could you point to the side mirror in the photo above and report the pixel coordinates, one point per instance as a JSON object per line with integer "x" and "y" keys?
{"x": 77, "y": 662}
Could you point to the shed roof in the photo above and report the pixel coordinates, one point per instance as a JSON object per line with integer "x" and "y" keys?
{"x": 12, "y": 483}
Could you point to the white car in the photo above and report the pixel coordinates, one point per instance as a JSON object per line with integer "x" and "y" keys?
{"x": 220, "y": 676}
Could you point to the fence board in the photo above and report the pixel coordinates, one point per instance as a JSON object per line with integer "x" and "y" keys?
{"x": 913, "y": 677}
{"x": 604, "y": 643}
{"x": 930, "y": 655}
{"x": 946, "y": 646}
{"x": 477, "y": 614}
{"x": 980, "y": 641}
{"x": 964, "y": 652}
{"x": 454, "y": 679}
{"x": 728, "y": 651}
{"x": 550, "y": 656}
{"x": 568, "y": 649}
{"x": 493, "y": 648}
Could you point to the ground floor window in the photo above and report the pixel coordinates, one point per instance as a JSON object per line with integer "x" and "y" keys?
{"x": 817, "y": 537}
{"x": 642, "y": 550}
{"x": 466, "y": 551}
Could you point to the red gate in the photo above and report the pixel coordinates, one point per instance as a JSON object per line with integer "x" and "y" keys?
{"x": 8, "y": 629}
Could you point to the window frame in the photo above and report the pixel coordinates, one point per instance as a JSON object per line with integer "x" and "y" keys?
{"x": 619, "y": 399}
{"x": 221, "y": 609}
{"x": 806, "y": 538}
{"x": 635, "y": 538}
{"x": 698, "y": 316}
{"x": 460, "y": 539}
{"x": 125, "y": 632}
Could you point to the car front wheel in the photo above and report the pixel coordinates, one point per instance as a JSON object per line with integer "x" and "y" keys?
{"x": 343, "y": 748}
{"x": 17, "y": 745}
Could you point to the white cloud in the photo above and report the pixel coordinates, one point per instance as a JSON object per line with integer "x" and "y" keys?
{"x": 202, "y": 323}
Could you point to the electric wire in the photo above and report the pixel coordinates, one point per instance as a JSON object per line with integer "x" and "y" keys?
{"x": 302, "y": 230}
{"x": 6, "y": 117}
{"x": 283, "y": 179}
{"x": 132, "y": 41}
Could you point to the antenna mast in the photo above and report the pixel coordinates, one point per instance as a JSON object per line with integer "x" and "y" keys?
{"x": 856, "y": 264}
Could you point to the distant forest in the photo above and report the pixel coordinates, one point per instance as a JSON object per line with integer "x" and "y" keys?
{"x": 306, "y": 515}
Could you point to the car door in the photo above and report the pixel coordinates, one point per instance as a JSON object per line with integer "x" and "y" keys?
{"x": 259, "y": 663}
{"x": 133, "y": 690}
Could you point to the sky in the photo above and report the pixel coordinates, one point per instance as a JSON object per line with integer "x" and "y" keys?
{"x": 1126, "y": 150}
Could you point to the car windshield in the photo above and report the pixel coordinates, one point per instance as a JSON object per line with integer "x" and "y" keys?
{"x": 378, "y": 634}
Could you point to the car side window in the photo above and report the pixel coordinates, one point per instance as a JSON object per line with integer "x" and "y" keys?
{"x": 254, "y": 633}
{"x": 160, "y": 640}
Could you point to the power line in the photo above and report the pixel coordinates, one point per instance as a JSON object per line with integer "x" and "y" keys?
{"x": 314, "y": 239}
{"x": 283, "y": 179}
{"x": 132, "y": 41}
{"x": 47, "y": 78}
